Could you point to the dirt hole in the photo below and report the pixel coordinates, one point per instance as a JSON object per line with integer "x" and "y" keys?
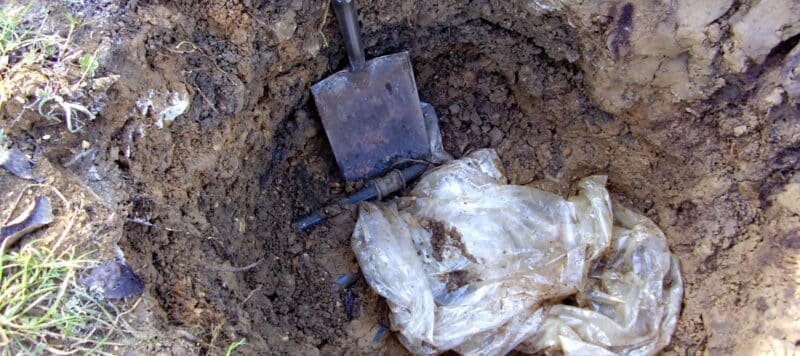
{"x": 505, "y": 93}
{"x": 216, "y": 191}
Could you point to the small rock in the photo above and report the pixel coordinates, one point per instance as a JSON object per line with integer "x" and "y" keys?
{"x": 346, "y": 280}
{"x": 775, "y": 97}
{"x": 39, "y": 214}
{"x": 239, "y": 36}
{"x": 789, "y": 198}
{"x": 713, "y": 33}
{"x": 86, "y": 144}
{"x": 186, "y": 335}
{"x": 114, "y": 280}
{"x": 469, "y": 77}
{"x": 46, "y": 137}
{"x": 453, "y": 92}
{"x": 475, "y": 129}
{"x": 311, "y": 46}
{"x": 739, "y": 130}
{"x": 455, "y": 109}
{"x": 475, "y": 118}
{"x": 103, "y": 83}
{"x": 496, "y": 135}
{"x": 229, "y": 57}
{"x": 495, "y": 119}
{"x": 380, "y": 332}
{"x": 498, "y": 96}
{"x": 15, "y": 162}
{"x": 284, "y": 29}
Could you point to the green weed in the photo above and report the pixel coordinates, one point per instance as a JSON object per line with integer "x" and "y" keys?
{"x": 88, "y": 64}
{"x": 234, "y": 346}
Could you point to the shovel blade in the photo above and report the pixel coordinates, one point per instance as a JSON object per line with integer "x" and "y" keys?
{"x": 372, "y": 117}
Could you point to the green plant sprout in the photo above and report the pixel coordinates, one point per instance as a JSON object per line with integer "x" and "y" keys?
{"x": 234, "y": 346}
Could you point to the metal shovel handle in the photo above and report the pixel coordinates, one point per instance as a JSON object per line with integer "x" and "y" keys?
{"x": 348, "y": 23}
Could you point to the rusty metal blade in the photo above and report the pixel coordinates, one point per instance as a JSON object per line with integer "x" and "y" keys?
{"x": 372, "y": 117}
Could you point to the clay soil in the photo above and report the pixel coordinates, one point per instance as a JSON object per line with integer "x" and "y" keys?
{"x": 215, "y": 191}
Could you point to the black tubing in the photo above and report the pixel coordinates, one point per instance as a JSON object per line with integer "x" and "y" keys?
{"x": 348, "y": 23}
{"x": 368, "y": 192}
{"x": 307, "y": 222}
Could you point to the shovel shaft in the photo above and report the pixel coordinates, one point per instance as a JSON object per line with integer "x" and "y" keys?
{"x": 348, "y": 23}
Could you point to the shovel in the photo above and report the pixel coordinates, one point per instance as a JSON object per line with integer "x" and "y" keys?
{"x": 370, "y": 111}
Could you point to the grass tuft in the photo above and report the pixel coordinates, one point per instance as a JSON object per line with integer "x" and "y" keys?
{"x": 42, "y": 307}
{"x": 43, "y": 310}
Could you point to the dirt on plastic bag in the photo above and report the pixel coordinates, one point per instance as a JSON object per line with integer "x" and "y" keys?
{"x": 472, "y": 264}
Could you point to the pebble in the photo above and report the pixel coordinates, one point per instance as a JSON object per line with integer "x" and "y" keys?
{"x": 475, "y": 118}
{"x": 186, "y": 335}
{"x": 284, "y": 29}
{"x": 239, "y": 36}
{"x": 380, "y": 332}
{"x": 85, "y": 145}
{"x": 17, "y": 163}
{"x": 114, "y": 280}
{"x": 495, "y": 119}
{"x": 469, "y": 77}
{"x": 475, "y": 129}
{"x": 347, "y": 280}
{"x": 455, "y": 109}
{"x": 311, "y": 46}
{"x": 496, "y": 135}
{"x": 498, "y": 96}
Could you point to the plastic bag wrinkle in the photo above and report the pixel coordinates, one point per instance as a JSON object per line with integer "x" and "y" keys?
{"x": 472, "y": 264}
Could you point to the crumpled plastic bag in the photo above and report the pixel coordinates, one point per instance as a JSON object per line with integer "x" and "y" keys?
{"x": 470, "y": 263}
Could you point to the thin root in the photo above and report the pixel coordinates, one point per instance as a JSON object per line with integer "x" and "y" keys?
{"x": 326, "y": 5}
{"x": 236, "y": 269}
{"x": 250, "y": 295}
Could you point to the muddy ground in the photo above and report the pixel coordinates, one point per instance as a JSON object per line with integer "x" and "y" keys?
{"x": 710, "y": 154}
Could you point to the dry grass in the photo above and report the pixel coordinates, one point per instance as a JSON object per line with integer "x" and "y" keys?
{"x": 42, "y": 307}
{"x": 41, "y": 68}
{"x": 44, "y": 71}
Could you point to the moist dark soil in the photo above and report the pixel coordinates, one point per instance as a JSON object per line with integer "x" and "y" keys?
{"x": 216, "y": 190}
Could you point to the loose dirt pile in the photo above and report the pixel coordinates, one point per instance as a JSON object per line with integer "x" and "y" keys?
{"x": 693, "y": 117}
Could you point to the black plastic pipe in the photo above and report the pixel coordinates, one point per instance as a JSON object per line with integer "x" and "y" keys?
{"x": 376, "y": 188}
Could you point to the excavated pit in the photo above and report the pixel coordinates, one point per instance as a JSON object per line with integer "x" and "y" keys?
{"x": 219, "y": 186}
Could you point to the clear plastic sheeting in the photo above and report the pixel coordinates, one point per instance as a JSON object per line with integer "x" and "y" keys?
{"x": 470, "y": 263}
